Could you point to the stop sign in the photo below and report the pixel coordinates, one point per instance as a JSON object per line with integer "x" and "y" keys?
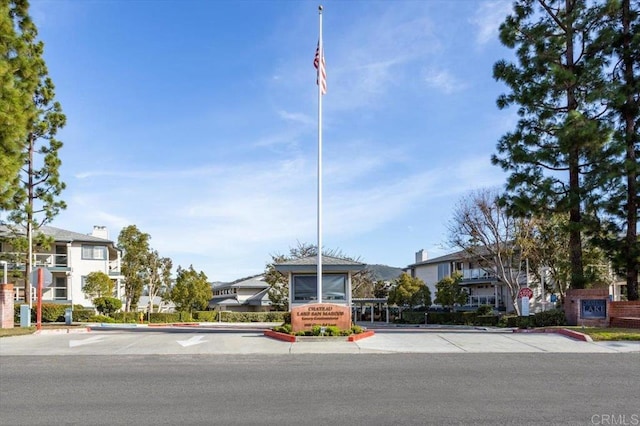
{"x": 525, "y": 292}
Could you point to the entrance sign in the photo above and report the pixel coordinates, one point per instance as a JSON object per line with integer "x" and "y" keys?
{"x": 305, "y": 317}
{"x": 593, "y": 308}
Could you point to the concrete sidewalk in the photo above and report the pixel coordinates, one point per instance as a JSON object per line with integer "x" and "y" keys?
{"x": 248, "y": 338}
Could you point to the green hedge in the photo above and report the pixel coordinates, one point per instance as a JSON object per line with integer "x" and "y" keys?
{"x": 51, "y": 312}
{"x": 254, "y": 316}
{"x": 126, "y": 317}
{"x": 54, "y": 312}
{"x": 205, "y": 316}
{"x": 450, "y": 318}
{"x": 82, "y": 315}
{"x": 554, "y": 317}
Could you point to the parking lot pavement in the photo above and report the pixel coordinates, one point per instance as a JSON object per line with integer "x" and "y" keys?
{"x": 209, "y": 341}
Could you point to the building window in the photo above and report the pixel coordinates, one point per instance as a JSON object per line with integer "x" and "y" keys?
{"x": 334, "y": 287}
{"x": 94, "y": 252}
{"x": 60, "y": 288}
{"x": 443, "y": 271}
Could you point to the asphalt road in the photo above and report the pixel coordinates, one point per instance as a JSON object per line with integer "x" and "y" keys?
{"x": 321, "y": 389}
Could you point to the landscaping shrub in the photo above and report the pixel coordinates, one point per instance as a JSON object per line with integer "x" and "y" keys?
{"x": 410, "y": 317}
{"x": 332, "y": 331}
{"x": 525, "y": 322}
{"x": 284, "y": 328}
{"x": 486, "y": 320}
{"x": 51, "y": 312}
{"x": 510, "y": 321}
{"x": 126, "y": 317}
{"x": 484, "y": 310}
{"x": 107, "y": 305}
{"x": 356, "y": 329}
{"x": 166, "y": 317}
{"x": 205, "y": 316}
{"x": 101, "y": 318}
{"x": 448, "y": 318}
{"x": 554, "y": 317}
{"x": 82, "y": 314}
{"x": 317, "y": 330}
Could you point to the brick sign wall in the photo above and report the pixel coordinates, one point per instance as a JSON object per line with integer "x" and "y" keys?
{"x": 305, "y": 317}
{"x": 589, "y": 307}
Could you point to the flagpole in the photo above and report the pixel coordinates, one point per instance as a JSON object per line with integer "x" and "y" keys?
{"x": 321, "y": 58}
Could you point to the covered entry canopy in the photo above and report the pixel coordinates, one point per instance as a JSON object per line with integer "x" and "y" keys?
{"x": 336, "y": 279}
{"x": 309, "y": 264}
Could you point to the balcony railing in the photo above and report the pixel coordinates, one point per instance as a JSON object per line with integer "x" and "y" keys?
{"x": 51, "y": 260}
{"x": 477, "y": 274}
{"x": 476, "y": 301}
{"x": 16, "y": 261}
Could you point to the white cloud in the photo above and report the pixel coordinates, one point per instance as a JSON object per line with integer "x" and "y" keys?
{"x": 296, "y": 117}
{"x": 488, "y": 18}
{"x": 443, "y": 80}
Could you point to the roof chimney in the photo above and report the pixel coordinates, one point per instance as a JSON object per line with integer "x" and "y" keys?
{"x": 100, "y": 232}
{"x": 421, "y": 256}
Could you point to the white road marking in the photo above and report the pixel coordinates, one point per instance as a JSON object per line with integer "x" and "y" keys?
{"x": 90, "y": 340}
{"x": 195, "y": 340}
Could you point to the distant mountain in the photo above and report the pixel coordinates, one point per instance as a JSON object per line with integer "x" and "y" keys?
{"x": 384, "y": 272}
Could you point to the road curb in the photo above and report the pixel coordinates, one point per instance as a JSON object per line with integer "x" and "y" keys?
{"x": 64, "y": 330}
{"x": 565, "y": 332}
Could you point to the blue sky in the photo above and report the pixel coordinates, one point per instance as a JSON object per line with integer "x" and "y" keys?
{"x": 196, "y": 121}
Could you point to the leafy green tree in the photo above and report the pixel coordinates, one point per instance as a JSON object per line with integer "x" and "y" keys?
{"x": 278, "y": 284}
{"x": 449, "y": 293}
{"x": 409, "y": 291}
{"x": 158, "y": 276}
{"x": 34, "y": 199}
{"x": 192, "y": 291}
{"x": 135, "y": 245}
{"x": 98, "y": 284}
{"x": 560, "y": 137}
{"x": 107, "y": 305}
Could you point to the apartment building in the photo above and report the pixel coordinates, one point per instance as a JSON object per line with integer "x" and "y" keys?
{"x": 69, "y": 259}
{"x": 483, "y": 287}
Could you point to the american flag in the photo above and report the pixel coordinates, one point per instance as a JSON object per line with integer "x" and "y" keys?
{"x": 318, "y": 63}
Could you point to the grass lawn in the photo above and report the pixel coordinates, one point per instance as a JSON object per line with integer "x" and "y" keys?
{"x": 16, "y": 331}
{"x": 605, "y": 334}
{"x": 21, "y": 331}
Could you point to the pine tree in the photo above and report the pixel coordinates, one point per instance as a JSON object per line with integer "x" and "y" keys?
{"x": 35, "y": 199}
{"x": 19, "y": 77}
{"x": 616, "y": 205}
{"x": 560, "y": 137}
